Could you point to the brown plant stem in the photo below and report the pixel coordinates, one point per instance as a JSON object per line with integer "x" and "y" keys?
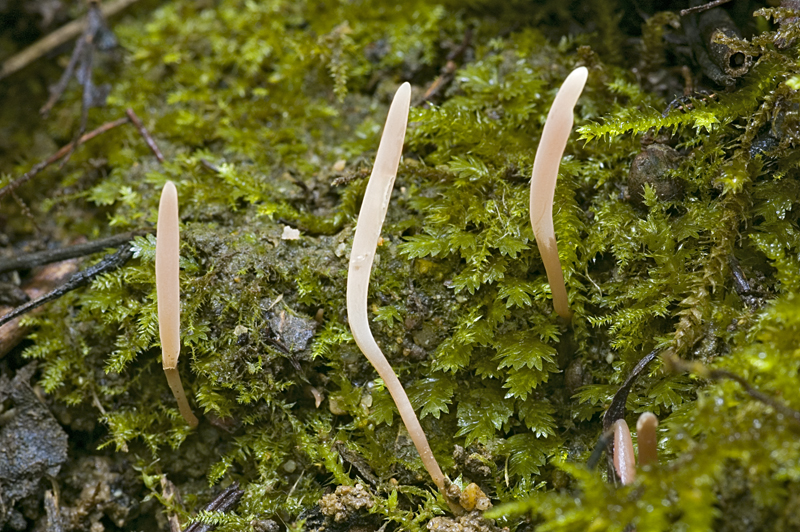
{"x": 145, "y": 134}
{"x": 27, "y": 176}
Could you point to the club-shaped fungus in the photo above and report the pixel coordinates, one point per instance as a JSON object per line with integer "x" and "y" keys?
{"x": 647, "y": 438}
{"x": 365, "y": 242}
{"x": 543, "y": 183}
{"x": 624, "y": 459}
{"x": 168, "y": 294}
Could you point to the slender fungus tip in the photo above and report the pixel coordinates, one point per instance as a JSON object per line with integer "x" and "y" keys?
{"x": 169, "y": 192}
{"x": 648, "y": 438}
{"x": 578, "y": 77}
{"x": 647, "y": 421}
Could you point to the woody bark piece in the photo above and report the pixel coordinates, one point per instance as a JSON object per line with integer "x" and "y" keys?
{"x": 44, "y": 281}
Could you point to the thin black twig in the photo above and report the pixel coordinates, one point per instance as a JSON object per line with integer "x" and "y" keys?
{"x": 96, "y": 34}
{"x": 210, "y": 166}
{"x": 58, "y": 89}
{"x": 54, "y": 255}
{"x": 81, "y": 278}
{"x": 224, "y": 502}
{"x": 145, "y": 134}
{"x": 617, "y": 408}
{"x": 602, "y": 442}
{"x": 741, "y": 284}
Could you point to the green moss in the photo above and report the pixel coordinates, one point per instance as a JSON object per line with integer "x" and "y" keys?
{"x": 273, "y": 94}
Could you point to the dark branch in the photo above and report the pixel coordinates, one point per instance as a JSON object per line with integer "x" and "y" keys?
{"x": 224, "y": 502}
{"x": 145, "y": 134}
{"x": 81, "y": 278}
{"x": 54, "y": 255}
{"x": 58, "y": 155}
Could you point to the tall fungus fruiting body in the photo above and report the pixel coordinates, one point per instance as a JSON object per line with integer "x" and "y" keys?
{"x": 551, "y": 147}
{"x": 365, "y": 243}
{"x": 168, "y": 295}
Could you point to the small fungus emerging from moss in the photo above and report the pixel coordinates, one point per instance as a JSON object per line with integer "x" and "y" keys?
{"x": 365, "y": 242}
{"x": 543, "y": 183}
{"x": 168, "y": 294}
{"x": 624, "y": 459}
{"x": 648, "y": 441}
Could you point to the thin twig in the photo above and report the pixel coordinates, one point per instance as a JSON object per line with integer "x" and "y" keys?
{"x": 79, "y": 250}
{"x": 447, "y": 73}
{"x": 57, "y": 38}
{"x": 675, "y": 364}
{"x": 602, "y": 443}
{"x": 704, "y": 7}
{"x": 81, "y": 278}
{"x": 26, "y": 211}
{"x": 58, "y": 89}
{"x": 147, "y": 138}
{"x": 224, "y": 502}
{"x": 58, "y": 155}
{"x": 210, "y": 166}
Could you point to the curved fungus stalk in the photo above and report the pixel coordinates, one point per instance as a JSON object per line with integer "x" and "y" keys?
{"x": 543, "y": 183}
{"x": 365, "y": 242}
{"x": 168, "y": 295}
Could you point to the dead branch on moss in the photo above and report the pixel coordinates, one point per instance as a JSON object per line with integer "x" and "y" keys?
{"x": 448, "y": 71}
{"x": 107, "y": 264}
{"x": 96, "y": 36}
{"x": 69, "y": 148}
{"x": 224, "y": 502}
{"x": 145, "y": 134}
{"x": 40, "y": 258}
{"x": 30, "y": 174}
